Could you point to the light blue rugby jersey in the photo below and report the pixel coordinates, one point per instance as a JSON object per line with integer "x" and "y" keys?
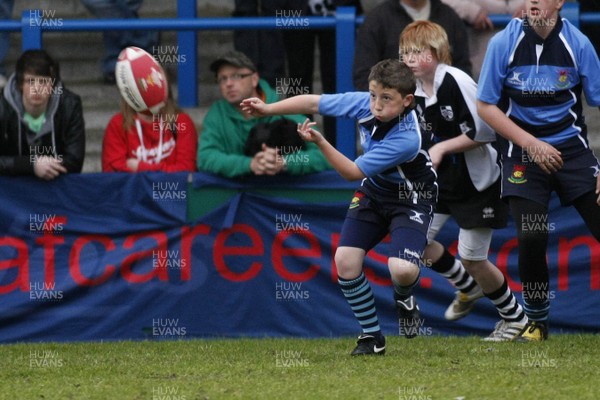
{"x": 538, "y": 83}
{"x": 393, "y": 151}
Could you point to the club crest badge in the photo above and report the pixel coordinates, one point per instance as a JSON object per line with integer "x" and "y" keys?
{"x": 563, "y": 79}
{"x": 447, "y": 113}
{"x": 356, "y": 200}
{"x": 518, "y": 175}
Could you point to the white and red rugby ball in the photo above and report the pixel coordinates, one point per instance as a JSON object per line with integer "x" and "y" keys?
{"x": 141, "y": 80}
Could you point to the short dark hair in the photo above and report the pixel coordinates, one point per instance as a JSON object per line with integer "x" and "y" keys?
{"x": 394, "y": 74}
{"x": 36, "y": 62}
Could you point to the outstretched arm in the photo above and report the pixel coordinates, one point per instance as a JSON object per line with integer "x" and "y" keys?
{"x": 302, "y": 104}
{"x": 342, "y": 164}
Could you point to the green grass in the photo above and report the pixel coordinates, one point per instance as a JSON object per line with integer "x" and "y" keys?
{"x": 425, "y": 368}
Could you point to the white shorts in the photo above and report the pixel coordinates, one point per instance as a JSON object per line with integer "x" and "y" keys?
{"x": 473, "y": 244}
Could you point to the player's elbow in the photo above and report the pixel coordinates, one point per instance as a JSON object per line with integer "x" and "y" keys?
{"x": 352, "y": 174}
{"x": 483, "y": 108}
{"x": 351, "y": 177}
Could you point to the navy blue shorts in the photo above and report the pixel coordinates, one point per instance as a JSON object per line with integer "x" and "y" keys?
{"x": 371, "y": 215}
{"x": 522, "y": 177}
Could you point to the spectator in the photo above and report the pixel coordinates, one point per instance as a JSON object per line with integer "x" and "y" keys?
{"x": 139, "y": 141}
{"x": 368, "y": 5}
{"x": 115, "y": 41}
{"x": 263, "y": 47}
{"x": 300, "y": 52}
{"x": 226, "y": 128}
{"x": 476, "y": 14}
{"x": 6, "y": 7}
{"x": 41, "y": 122}
{"x": 377, "y": 38}
{"x": 592, "y": 31}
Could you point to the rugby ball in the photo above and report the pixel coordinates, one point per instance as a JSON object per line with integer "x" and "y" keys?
{"x": 141, "y": 80}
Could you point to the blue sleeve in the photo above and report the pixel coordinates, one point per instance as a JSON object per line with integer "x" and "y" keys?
{"x": 493, "y": 70}
{"x": 350, "y": 105}
{"x": 399, "y": 146}
{"x": 589, "y": 65}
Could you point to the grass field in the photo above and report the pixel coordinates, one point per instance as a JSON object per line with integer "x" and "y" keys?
{"x": 426, "y": 368}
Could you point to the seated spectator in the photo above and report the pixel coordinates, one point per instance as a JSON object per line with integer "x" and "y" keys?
{"x": 140, "y": 141}
{"x": 116, "y": 40}
{"x": 226, "y": 128}
{"x": 377, "y": 38}
{"x": 42, "y": 131}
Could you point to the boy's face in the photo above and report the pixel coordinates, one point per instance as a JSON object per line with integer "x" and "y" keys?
{"x": 36, "y": 91}
{"x": 386, "y": 103}
{"x": 421, "y": 61}
{"x": 538, "y": 10}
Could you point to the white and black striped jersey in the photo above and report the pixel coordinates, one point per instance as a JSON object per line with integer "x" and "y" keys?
{"x": 451, "y": 112}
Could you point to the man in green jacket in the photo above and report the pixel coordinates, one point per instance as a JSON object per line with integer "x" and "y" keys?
{"x": 226, "y": 128}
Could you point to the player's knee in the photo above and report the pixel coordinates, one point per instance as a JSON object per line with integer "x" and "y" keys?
{"x": 473, "y": 265}
{"x": 348, "y": 265}
{"x": 403, "y": 271}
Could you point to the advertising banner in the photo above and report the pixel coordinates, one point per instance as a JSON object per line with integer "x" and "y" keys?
{"x": 114, "y": 257}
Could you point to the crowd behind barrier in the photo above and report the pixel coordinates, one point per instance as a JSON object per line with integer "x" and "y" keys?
{"x": 35, "y": 22}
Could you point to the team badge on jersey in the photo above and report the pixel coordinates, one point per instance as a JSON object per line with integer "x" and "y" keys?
{"x": 356, "y": 200}
{"x": 518, "y": 175}
{"x": 563, "y": 79}
{"x": 447, "y": 113}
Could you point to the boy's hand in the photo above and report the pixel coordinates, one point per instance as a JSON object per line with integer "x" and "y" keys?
{"x": 254, "y": 106}
{"x": 436, "y": 154}
{"x": 48, "y": 168}
{"x": 133, "y": 164}
{"x": 544, "y": 155}
{"x": 267, "y": 162}
{"x": 482, "y": 21}
{"x": 307, "y": 133}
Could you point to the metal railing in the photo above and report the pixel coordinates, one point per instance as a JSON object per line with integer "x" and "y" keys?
{"x": 33, "y": 24}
